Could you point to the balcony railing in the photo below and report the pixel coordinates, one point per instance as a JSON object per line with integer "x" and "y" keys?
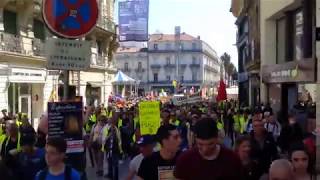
{"x": 140, "y": 70}
{"x": 35, "y": 47}
{"x": 169, "y": 66}
{"x": 98, "y": 60}
{"x": 155, "y": 66}
{"x": 38, "y": 47}
{"x": 11, "y": 43}
{"x": 194, "y": 65}
{"x": 106, "y": 24}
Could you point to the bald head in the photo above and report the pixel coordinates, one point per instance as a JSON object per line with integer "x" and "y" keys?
{"x": 281, "y": 170}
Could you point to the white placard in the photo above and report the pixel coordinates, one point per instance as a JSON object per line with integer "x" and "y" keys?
{"x": 64, "y": 54}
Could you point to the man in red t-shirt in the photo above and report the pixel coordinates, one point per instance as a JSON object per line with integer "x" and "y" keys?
{"x": 210, "y": 160}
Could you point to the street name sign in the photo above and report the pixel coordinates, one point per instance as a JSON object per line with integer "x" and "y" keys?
{"x": 64, "y": 54}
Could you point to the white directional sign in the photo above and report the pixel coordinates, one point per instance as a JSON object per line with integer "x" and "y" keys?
{"x": 64, "y": 54}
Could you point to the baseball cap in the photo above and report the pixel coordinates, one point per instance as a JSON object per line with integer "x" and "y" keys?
{"x": 145, "y": 140}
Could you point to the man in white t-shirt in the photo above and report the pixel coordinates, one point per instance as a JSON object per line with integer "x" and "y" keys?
{"x": 146, "y": 144}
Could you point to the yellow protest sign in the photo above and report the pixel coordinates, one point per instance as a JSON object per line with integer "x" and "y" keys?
{"x": 149, "y": 113}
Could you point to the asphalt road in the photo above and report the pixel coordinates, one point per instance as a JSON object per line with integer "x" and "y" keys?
{"x": 123, "y": 170}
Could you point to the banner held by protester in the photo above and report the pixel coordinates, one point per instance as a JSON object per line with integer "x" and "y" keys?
{"x": 149, "y": 117}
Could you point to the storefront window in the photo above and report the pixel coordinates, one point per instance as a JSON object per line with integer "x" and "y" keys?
{"x": 307, "y": 93}
{"x": 281, "y": 40}
{"x": 298, "y": 35}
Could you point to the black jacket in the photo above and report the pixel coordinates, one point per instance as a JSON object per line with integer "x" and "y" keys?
{"x": 290, "y": 134}
{"x": 264, "y": 154}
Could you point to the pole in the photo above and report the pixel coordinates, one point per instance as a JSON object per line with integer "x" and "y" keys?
{"x": 65, "y": 85}
{"x": 318, "y": 90}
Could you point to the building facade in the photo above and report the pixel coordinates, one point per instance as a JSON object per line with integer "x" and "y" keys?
{"x": 247, "y": 13}
{"x": 187, "y": 59}
{"x": 133, "y": 61}
{"x": 288, "y": 56}
{"x": 25, "y": 83}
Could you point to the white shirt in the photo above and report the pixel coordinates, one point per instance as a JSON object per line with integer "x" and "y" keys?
{"x": 135, "y": 163}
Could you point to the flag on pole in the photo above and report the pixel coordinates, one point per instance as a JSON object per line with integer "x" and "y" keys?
{"x": 222, "y": 92}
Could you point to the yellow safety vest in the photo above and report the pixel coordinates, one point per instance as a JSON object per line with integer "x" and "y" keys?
{"x": 120, "y": 123}
{"x": 110, "y": 114}
{"x": 7, "y": 139}
{"x": 135, "y": 125}
{"x": 220, "y": 125}
{"x": 105, "y": 133}
{"x": 176, "y": 122}
{"x": 236, "y": 119}
{"x": 92, "y": 120}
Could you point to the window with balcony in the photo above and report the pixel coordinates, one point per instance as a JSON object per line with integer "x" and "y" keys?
{"x": 139, "y": 66}
{"x": 10, "y": 22}
{"x": 168, "y": 60}
{"x": 126, "y": 67}
{"x": 38, "y": 29}
{"x": 99, "y": 47}
{"x": 181, "y": 78}
{"x": 155, "y": 77}
{"x": 194, "y": 76}
{"x": 168, "y": 78}
{"x": 181, "y": 46}
{"x": 194, "y": 60}
{"x": 194, "y": 46}
{"x": 155, "y": 46}
{"x": 168, "y": 46}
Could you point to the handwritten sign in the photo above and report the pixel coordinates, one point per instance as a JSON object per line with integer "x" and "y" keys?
{"x": 149, "y": 113}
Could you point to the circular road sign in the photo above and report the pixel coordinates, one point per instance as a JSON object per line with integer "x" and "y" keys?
{"x": 70, "y": 18}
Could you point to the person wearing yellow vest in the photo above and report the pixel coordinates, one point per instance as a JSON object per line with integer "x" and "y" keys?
{"x": 10, "y": 143}
{"x": 173, "y": 119}
{"x": 92, "y": 120}
{"x": 112, "y": 145}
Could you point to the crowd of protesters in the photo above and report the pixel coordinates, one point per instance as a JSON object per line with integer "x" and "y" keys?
{"x": 196, "y": 141}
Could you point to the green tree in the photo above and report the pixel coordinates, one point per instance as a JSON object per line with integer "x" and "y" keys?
{"x": 226, "y": 60}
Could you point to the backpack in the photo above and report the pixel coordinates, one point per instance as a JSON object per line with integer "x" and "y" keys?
{"x": 67, "y": 173}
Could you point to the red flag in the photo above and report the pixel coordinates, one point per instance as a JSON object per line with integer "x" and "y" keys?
{"x": 222, "y": 92}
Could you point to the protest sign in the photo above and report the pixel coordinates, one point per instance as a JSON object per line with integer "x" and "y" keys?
{"x": 65, "y": 120}
{"x": 149, "y": 113}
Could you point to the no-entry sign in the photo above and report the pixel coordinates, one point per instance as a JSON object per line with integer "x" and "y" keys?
{"x": 70, "y": 18}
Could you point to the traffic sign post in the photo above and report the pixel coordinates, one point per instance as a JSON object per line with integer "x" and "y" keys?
{"x": 70, "y": 18}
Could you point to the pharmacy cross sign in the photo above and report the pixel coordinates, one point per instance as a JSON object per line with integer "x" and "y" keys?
{"x": 70, "y": 18}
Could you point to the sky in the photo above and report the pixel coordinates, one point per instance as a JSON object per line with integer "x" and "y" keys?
{"x": 209, "y": 19}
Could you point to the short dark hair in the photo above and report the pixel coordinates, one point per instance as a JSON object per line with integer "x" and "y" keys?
{"x": 59, "y": 143}
{"x": 206, "y": 128}
{"x": 240, "y": 140}
{"x": 164, "y": 132}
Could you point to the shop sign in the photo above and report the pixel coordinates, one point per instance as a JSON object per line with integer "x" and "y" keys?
{"x": 295, "y": 71}
{"x": 64, "y": 54}
{"x": 149, "y": 117}
{"x": 27, "y": 75}
{"x": 65, "y": 120}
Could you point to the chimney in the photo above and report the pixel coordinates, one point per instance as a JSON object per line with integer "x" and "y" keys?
{"x": 199, "y": 37}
